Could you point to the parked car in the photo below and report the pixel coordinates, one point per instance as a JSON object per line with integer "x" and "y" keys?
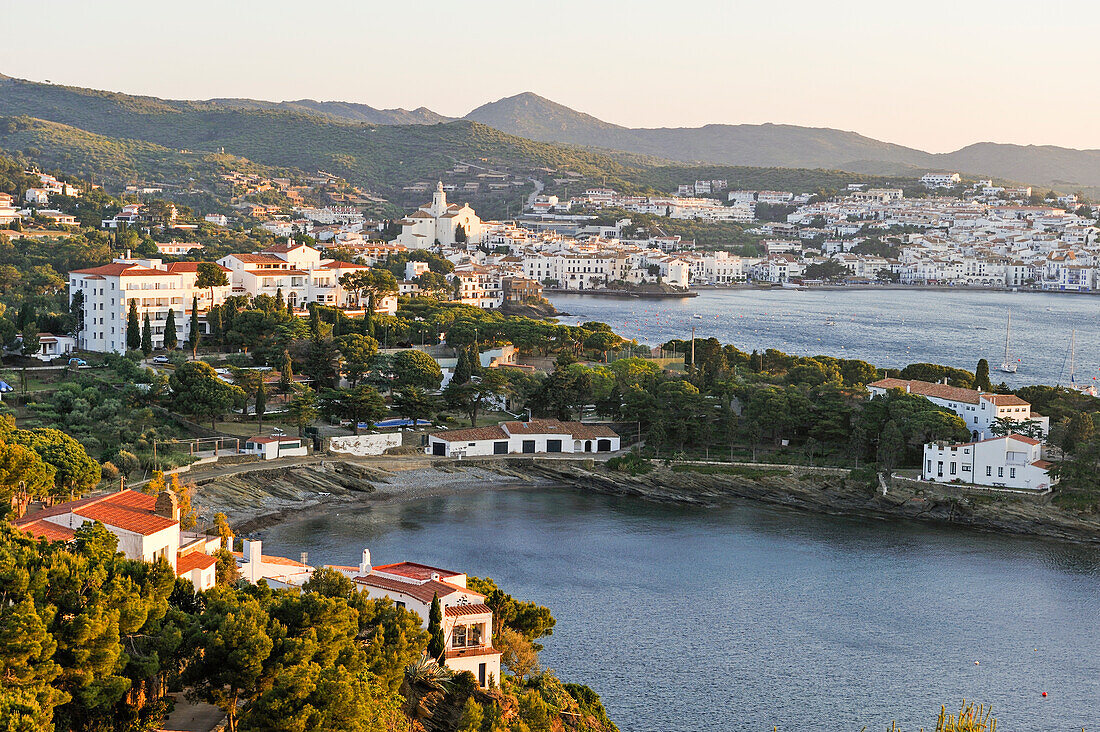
{"x": 160, "y": 359}
{"x": 77, "y": 362}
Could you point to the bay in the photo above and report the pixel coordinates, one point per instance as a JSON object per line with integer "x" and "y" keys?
{"x": 889, "y": 327}
{"x": 745, "y": 617}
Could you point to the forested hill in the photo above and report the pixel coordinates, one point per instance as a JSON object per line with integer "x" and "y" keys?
{"x": 384, "y": 156}
{"x": 791, "y": 146}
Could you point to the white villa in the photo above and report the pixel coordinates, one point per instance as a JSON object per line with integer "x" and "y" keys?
{"x": 439, "y": 222}
{"x": 1012, "y": 461}
{"x": 147, "y": 527}
{"x": 535, "y": 437}
{"x": 979, "y": 409}
{"x": 467, "y": 620}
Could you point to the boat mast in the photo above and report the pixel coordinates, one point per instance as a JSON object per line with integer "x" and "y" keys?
{"x": 1008, "y": 327}
{"x": 1072, "y": 356}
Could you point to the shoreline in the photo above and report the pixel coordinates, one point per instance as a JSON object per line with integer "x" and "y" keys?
{"x": 769, "y": 286}
{"x": 809, "y": 490}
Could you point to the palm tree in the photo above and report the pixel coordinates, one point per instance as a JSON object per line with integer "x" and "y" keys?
{"x": 423, "y": 680}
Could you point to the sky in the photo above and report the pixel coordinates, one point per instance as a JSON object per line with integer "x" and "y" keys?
{"x": 931, "y": 74}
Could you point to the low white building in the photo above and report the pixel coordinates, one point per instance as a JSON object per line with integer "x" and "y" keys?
{"x": 539, "y": 436}
{"x": 1012, "y": 461}
{"x": 940, "y": 180}
{"x": 979, "y": 409}
{"x": 272, "y": 447}
{"x": 52, "y": 346}
{"x": 467, "y": 620}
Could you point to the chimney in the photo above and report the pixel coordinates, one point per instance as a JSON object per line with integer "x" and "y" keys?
{"x": 364, "y": 563}
{"x": 253, "y": 556}
{"x": 167, "y": 505}
{"x": 908, "y": 387}
{"x": 436, "y": 577}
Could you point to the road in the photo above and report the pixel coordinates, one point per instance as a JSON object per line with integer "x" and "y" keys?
{"x": 539, "y": 187}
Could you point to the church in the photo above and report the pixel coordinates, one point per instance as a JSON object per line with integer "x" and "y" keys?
{"x": 439, "y": 222}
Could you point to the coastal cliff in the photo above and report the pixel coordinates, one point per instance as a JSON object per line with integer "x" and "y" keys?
{"x": 827, "y": 491}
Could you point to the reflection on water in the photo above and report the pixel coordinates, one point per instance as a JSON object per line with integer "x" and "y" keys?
{"x": 745, "y": 617}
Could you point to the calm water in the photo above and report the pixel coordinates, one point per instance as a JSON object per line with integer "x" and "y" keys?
{"x": 889, "y": 328}
{"x": 746, "y": 617}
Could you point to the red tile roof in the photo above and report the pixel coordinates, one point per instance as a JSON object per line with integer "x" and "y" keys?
{"x": 423, "y": 592}
{"x": 193, "y": 561}
{"x": 46, "y": 530}
{"x": 177, "y": 267}
{"x": 415, "y": 571}
{"x": 537, "y": 427}
{"x": 493, "y": 432}
{"x": 1044, "y": 464}
{"x": 1006, "y": 400}
{"x": 127, "y": 510}
{"x": 121, "y": 269}
{"x": 928, "y": 389}
{"x": 258, "y": 259}
{"x": 455, "y": 611}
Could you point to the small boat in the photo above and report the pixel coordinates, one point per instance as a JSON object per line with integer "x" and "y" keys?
{"x": 1088, "y": 389}
{"x": 1008, "y": 366}
{"x": 830, "y": 322}
{"x": 697, "y": 316}
{"x": 787, "y": 285}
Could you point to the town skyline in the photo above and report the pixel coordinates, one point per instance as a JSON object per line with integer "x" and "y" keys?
{"x": 800, "y": 65}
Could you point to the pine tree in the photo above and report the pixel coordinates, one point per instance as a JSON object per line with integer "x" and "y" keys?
{"x": 133, "y": 328}
{"x": 170, "y": 338}
{"x": 261, "y": 404}
{"x": 472, "y": 716}
{"x": 146, "y": 337}
{"x": 437, "y": 644}
{"x": 194, "y": 334}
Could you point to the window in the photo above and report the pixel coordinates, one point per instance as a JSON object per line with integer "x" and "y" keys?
{"x": 954, "y": 468}
{"x": 458, "y": 638}
{"x": 966, "y": 468}
{"x": 1012, "y": 472}
{"x": 989, "y": 470}
{"x": 929, "y": 468}
{"x": 939, "y": 468}
{"x": 1000, "y": 472}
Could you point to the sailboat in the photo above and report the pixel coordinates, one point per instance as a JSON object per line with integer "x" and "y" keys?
{"x": 1008, "y": 366}
{"x": 1089, "y": 389}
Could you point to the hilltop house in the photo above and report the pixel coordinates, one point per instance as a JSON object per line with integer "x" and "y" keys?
{"x": 979, "y": 409}
{"x": 1012, "y": 461}
{"x": 534, "y": 437}
{"x": 147, "y": 527}
{"x": 467, "y": 620}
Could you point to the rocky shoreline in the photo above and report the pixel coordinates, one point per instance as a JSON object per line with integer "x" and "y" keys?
{"x": 262, "y": 498}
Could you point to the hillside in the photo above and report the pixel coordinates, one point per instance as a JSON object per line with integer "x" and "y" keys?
{"x": 347, "y": 111}
{"x": 768, "y": 145}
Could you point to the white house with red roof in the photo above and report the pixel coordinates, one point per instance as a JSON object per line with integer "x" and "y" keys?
{"x": 1013, "y": 462}
{"x": 979, "y": 409}
{"x": 147, "y": 527}
{"x": 538, "y": 436}
{"x": 467, "y": 620}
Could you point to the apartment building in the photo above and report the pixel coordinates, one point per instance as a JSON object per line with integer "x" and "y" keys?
{"x": 1012, "y": 461}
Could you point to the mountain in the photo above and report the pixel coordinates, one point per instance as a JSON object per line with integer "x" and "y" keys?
{"x": 347, "y": 111}
{"x": 532, "y": 116}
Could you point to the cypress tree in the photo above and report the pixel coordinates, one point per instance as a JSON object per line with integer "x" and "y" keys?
{"x": 314, "y": 322}
{"x": 286, "y": 373}
{"x": 146, "y": 337}
{"x": 338, "y": 325}
{"x": 981, "y": 376}
{"x": 170, "y": 339}
{"x": 280, "y": 303}
{"x": 437, "y": 644}
{"x": 462, "y": 370}
{"x": 194, "y": 336}
{"x": 261, "y": 404}
{"x": 133, "y": 328}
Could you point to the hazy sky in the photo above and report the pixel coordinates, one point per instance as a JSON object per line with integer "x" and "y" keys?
{"x": 932, "y": 74}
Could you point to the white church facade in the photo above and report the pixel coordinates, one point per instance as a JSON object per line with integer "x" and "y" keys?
{"x": 439, "y": 222}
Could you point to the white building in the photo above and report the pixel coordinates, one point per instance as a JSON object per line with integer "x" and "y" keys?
{"x": 272, "y": 447}
{"x": 147, "y": 527}
{"x": 535, "y": 437}
{"x": 467, "y": 620}
{"x": 52, "y": 346}
{"x": 154, "y": 287}
{"x": 940, "y": 180}
{"x": 439, "y": 222}
{"x": 1012, "y": 461}
{"x": 979, "y": 409}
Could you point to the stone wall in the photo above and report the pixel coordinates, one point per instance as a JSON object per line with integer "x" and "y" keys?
{"x": 362, "y": 445}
